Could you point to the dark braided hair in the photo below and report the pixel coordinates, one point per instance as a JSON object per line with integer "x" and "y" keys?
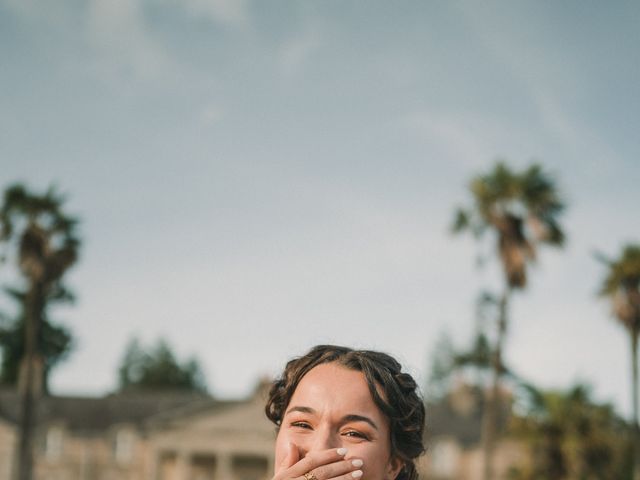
{"x": 394, "y": 392}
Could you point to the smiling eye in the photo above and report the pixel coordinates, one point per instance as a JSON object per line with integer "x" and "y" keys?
{"x": 304, "y": 425}
{"x": 355, "y": 434}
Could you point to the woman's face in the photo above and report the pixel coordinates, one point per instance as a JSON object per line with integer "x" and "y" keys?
{"x": 332, "y": 408}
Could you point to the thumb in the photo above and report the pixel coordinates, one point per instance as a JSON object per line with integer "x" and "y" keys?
{"x": 292, "y": 456}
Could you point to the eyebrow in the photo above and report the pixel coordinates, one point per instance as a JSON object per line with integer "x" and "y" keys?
{"x": 359, "y": 418}
{"x": 347, "y": 418}
{"x": 301, "y": 409}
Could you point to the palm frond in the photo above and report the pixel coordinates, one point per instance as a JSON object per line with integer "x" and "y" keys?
{"x": 504, "y": 199}
{"x": 461, "y": 221}
{"x": 622, "y": 271}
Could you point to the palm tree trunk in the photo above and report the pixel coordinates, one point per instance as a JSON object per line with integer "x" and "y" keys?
{"x": 30, "y": 383}
{"x": 492, "y": 400}
{"x": 635, "y": 433}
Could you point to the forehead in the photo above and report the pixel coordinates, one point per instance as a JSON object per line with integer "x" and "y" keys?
{"x": 335, "y": 386}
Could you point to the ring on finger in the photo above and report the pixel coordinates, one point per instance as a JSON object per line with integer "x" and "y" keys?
{"x": 310, "y": 476}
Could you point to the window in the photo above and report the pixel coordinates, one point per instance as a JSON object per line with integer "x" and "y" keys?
{"x": 250, "y": 467}
{"x": 123, "y": 445}
{"x": 53, "y": 442}
{"x": 203, "y": 467}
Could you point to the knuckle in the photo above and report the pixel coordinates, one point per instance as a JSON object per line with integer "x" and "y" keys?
{"x": 306, "y": 463}
{"x": 320, "y": 463}
{"x": 321, "y": 472}
{"x": 318, "y": 458}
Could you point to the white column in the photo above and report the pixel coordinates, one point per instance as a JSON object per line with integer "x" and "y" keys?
{"x": 183, "y": 468}
{"x": 154, "y": 473}
{"x": 224, "y": 466}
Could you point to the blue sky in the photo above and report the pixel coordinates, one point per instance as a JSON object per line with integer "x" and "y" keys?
{"x": 257, "y": 177}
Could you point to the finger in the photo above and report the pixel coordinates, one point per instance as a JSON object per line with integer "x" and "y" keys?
{"x": 291, "y": 457}
{"x": 356, "y": 474}
{"x": 337, "y": 469}
{"x": 315, "y": 459}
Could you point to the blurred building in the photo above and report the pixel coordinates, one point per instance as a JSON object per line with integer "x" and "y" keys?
{"x": 177, "y": 436}
{"x": 454, "y": 429}
{"x": 143, "y": 436}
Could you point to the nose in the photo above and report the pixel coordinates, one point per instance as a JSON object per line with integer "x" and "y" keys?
{"x": 321, "y": 439}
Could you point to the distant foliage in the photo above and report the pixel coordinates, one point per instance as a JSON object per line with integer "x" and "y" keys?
{"x": 571, "y": 437}
{"x": 156, "y": 368}
{"x": 622, "y": 287}
{"x": 470, "y": 364}
{"x": 442, "y": 367}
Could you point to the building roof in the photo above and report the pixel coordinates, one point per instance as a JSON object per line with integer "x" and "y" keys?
{"x": 96, "y": 414}
{"x": 459, "y": 415}
{"x": 444, "y": 420}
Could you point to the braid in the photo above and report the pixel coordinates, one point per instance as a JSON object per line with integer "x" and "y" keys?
{"x": 393, "y": 391}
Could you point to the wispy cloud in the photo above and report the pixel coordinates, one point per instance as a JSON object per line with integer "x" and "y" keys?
{"x": 233, "y": 13}
{"x": 583, "y": 143}
{"x": 23, "y": 7}
{"x": 552, "y": 84}
{"x": 127, "y": 42}
{"x": 295, "y": 52}
{"x": 116, "y": 28}
{"x": 57, "y": 14}
{"x": 463, "y": 137}
{"x": 212, "y": 114}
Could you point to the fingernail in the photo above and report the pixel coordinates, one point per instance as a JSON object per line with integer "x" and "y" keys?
{"x": 357, "y": 474}
{"x": 341, "y": 451}
{"x": 357, "y": 462}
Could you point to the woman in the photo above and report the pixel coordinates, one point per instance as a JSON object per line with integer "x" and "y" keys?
{"x": 344, "y": 414}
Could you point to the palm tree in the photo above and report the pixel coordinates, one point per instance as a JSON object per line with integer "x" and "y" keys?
{"x": 569, "y": 436}
{"x": 54, "y": 342}
{"x": 521, "y": 209}
{"x": 46, "y": 248}
{"x": 622, "y": 287}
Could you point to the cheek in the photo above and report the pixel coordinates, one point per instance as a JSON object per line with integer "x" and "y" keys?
{"x": 378, "y": 462}
{"x": 375, "y": 458}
